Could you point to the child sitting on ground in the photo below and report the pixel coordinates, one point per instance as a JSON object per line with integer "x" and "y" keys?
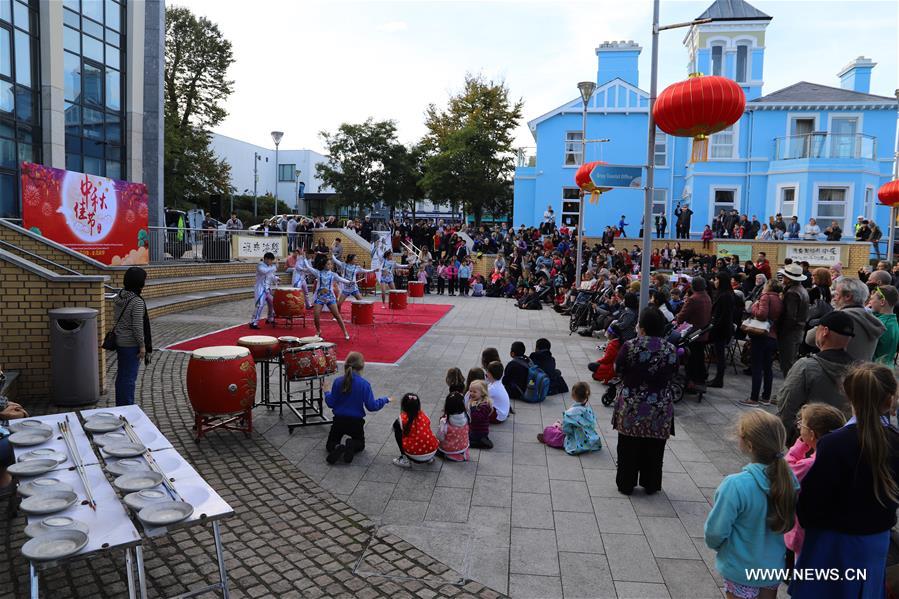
{"x": 349, "y": 397}
{"x": 604, "y": 368}
{"x": 453, "y": 429}
{"x": 412, "y": 431}
{"x": 480, "y": 408}
{"x": 815, "y": 421}
{"x": 499, "y": 397}
{"x": 455, "y": 381}
{"x": 753, "y": 509}
{"x": 542, "y": 356}
{"x": 576, "y": 432}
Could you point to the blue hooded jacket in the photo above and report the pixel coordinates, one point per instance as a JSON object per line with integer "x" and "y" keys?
{"x": 737, "y": 527}
{"x": 354, "y": 403}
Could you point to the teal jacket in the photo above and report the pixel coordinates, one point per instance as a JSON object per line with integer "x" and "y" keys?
{"x": 579, "y": 426}
{"x": 888, "y": 341}
{"x": 737, "y": 529}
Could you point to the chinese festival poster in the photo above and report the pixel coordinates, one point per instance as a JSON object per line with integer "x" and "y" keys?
{"x": 102, "y": 218}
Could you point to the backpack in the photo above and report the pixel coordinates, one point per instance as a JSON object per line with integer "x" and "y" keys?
{"x": 538, "y": 385}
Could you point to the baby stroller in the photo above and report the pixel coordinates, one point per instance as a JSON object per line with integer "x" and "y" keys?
{"x": 679, "y": 382}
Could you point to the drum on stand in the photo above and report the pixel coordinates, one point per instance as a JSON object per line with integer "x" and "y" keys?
{"x": 308, "y": 340}
{"x": 288, "y": 341}
{"x": 362, "y": 313}
{"x": 330, "y": 352}
{"x": 289, "y": 302}
{"x": 416, "y": 289}
{"x": 262, "y": 347}
{"x": 304, "y": 362}
{"x": 398, "y": 299}
{"x": 370, "y": 281}
{"x": 221, "y": 381}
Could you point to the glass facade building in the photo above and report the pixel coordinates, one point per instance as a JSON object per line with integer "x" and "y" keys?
{"x": 20, "y": 107}
{"x": 93, "y": 69}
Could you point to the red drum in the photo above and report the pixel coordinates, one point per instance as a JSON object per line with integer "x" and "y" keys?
{"x": 398, "y": 299}
{"x": 370, "y": 281}
{"x": 289, "y": 302}
{"x": 221, "y": 380}
{"x": 416, "y": 289}
{"x": 362, "y": 313}
{"x": 287, "y": 342}
{"x": 305, "y": 361}
{"x": 262, "y": 347}
{"x": 330, "y": 351}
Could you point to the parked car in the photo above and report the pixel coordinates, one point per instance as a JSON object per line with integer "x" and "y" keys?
{"x": 277, "y": 220}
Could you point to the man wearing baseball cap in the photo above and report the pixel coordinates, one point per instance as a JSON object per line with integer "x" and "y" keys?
{"x": 818, "y": 377}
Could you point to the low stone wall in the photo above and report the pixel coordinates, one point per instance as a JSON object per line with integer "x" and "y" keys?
{"x": 24, "y": 325}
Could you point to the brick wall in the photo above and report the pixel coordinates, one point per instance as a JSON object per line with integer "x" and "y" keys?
{"x": 24, "y": 325}
{"x": 350, "y": 245}
{"x": 39, "y": 247}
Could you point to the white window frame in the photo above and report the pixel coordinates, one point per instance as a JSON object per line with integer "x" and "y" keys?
{"x": 747, "y": 76}
{"x": 869, "y": 202}
{"x": 735, "y": 145}
{"x": 723, "y": 67}
{"x": 578, "y": 151}
{"x": 661, "y": 140}
{"x": 781, "y": 187}
{"x": 847, "y": 203}
{"x": 859, "y": 121}
{"x": 737, "y": 189}
{"x": 659, "y": 198}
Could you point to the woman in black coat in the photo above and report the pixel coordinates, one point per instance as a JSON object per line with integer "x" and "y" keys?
{"x": 722, "y": 324}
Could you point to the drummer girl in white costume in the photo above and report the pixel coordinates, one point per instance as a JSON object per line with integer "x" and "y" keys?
{"x": 265, "y": 280}
{"x": 350, "y": 271}
{"x": 324, "y": 293}
{"x": 378, "y": 249}
{"x": 300, "y": 270}
{"x": 387, "y": 269}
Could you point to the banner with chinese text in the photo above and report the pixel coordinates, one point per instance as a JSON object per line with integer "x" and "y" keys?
{"x": 104, "y": 219}
{"x": 815, "y": 255}
{"x": 245, "y": 247}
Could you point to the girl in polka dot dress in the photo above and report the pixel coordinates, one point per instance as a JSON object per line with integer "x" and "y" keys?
{"x": 454, "y": 428}
{"x": 413, "y": 434}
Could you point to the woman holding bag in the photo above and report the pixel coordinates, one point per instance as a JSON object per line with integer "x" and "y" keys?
{"x": 762, "y": 330}
{"x": 132, "y": 334}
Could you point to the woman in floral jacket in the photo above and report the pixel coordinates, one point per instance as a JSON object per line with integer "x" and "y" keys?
{"x": 644, "y": 411}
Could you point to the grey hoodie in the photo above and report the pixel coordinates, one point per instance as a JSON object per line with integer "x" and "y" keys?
{"x": 816, "y": 378}
{"x": 868, "y": 330}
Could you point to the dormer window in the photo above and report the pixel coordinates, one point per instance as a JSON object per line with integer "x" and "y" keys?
{"x": 717, "y": 59}
{"x": 742, "y": 74}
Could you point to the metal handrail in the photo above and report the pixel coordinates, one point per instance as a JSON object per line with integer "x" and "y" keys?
{"x": 822, "y": 144}
{"x": 38, "y": 257}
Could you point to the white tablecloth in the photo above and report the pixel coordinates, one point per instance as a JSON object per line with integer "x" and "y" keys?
{"x": 56, "y": 443}
{"x": 109, "y": 526}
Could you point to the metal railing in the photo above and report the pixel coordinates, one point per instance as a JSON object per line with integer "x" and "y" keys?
{"x": 825, "y": 145}
{"x": 526, "y": 156}
{"x": 176, "y": 244}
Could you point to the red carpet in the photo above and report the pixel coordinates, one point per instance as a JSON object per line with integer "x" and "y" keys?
{"x": 386, "y": 342}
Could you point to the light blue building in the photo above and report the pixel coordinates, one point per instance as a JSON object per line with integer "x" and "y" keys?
{"x": 807, "y": 150}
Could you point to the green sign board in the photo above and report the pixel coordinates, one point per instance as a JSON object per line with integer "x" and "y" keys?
{"x": 726, "y": 250}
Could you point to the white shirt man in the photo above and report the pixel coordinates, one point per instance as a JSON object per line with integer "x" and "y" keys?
{"x": 549, "y": 216}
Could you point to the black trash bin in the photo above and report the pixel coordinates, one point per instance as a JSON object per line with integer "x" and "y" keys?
{"x": 74, "y": 356}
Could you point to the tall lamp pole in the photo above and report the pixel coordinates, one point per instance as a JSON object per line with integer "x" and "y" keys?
{"x": 649, "y": 191}
{"x": 296, "y": 194}
{"x": 892, "y": 236}
{"x": 276, "y": 137}
{"x": 256, "y": 159}
{"x": 586, "y": 88}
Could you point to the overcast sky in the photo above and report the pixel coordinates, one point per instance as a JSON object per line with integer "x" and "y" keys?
{"x": 304, "y": 66}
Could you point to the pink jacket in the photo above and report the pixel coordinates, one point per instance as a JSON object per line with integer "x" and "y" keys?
{"x": 800, "y": 465}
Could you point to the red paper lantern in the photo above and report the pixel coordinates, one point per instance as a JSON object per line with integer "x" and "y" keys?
{"x": 699, "y": 107}
{"x": 584, "y": 182}
{"x": 888, "y": 194}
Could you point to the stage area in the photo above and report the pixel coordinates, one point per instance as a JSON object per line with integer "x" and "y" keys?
{"x": 385, "y": 342}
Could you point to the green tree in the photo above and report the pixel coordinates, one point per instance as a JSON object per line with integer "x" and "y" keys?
{"x": 367, "y": 164}
{"x": 470, "y": 159}
{"x": 197, "y": 58}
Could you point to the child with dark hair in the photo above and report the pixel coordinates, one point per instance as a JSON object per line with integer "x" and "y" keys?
{"x": 544, "y": 359}
{"x": 499, "y": 397}
{"x": 412, "y": 431}
{"x": 604, "y": 369}
{"x": 453, "y": 429}
{"x": 576, "y": 431}
{"x": 517, "y": 370}
{"x": 455, "y": 381}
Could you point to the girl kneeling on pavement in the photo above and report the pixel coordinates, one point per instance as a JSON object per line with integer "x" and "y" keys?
{"x": 414, "y": 437}
{"x": 349, "y": 397}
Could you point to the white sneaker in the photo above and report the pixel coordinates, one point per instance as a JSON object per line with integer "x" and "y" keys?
{"x": 402, "y": 461}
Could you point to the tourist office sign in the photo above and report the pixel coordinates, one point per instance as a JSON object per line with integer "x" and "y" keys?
{"x": 102, "y": 218}
{"x": 621, "y": 176}
{"x": 815, "y": 255}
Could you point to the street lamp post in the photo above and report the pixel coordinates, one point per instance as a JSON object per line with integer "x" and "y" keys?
{"x": 645, "y": 263}
{"x": 256, "y": 159}
{"x": 892, "y": 236}
{"x": 586, "y": 88}
{"x": 276, "y": 137}
{"x": 296, "y": 192}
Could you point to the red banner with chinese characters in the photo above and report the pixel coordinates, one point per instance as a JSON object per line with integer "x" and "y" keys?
{"x": 99, "y": 217}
